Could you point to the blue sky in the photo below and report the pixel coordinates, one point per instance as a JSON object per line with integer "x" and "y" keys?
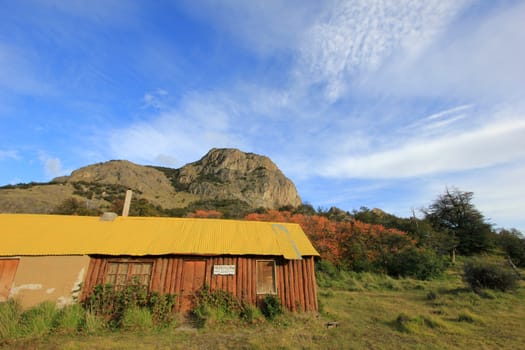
{"x": 361, "y": 103}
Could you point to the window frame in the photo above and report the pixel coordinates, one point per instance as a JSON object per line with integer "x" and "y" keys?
{"x": 259, "y": 290}
{"x": 129, "y": 273}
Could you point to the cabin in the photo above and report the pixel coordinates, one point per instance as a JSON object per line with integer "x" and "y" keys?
{"x": 62, "y": 258}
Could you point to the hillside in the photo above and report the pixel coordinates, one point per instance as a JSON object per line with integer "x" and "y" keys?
{"x": 223, "y": 175}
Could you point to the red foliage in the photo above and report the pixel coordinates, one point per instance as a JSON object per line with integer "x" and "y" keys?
{"x": 343, "y": 242}
{"x": 270, "y": 215}
{"x": 207, "y": 214}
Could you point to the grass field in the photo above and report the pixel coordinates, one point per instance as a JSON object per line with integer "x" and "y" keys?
{"x": 373, "y": 312}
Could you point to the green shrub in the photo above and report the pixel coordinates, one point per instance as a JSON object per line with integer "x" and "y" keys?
{"x": 327, "y": 268}
{"x": 93, "y": 323}
{"x": 466, "y": 316}
{"x": 362, "y": 263}
{"x": 320, "y": 306}
{"x": 215, "y": 306}
{"x": 271, "y": 306}
{"x": 69, "y": 319}
{"x": 137, "y": 319}
{"x": 326, "y": 273}
{"x": 134, "y": 295}
{"x": 105, "y": 302}
{"x": 513, "y": 244}
{"x": 162, "y": 308}
{"x": 480, "y": 273}
{"x": 10, "y": 314}
{"x": 326, "y": 293}
{"x": 402, "y": 322}
{"x": 219, "y": 306}
{"x": 420, "y": 263}
{"x": 110, "y": 304}
{"x": 251, "y": 314}
{"x": 418, "y": 324}
{"x": 39, "y": 320}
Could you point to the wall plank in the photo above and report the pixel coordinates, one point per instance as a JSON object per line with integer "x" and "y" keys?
{"x": 306, "y": 285}
{"x": 280, "y": 283}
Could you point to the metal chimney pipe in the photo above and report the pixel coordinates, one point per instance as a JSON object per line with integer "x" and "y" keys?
{"x": 127, "y": 203}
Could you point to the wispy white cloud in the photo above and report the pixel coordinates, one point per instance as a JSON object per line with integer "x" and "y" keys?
{"x": 20, "y": 72}
{"x": 480, "y": 59}
{"x": 155, "y": 99}
{"x": 492, "y": 144}
{"x": 498, "y": 194}
{"x": 201, "y": 122}
{"x": 52, "y": 165}
{"x": 356, "y": 37}
{"x": 441, "y": 122}
{"x": 448, "y": 112}
{"x": 166, "y": 160}
{"x": 333, "y": 42}
{"x": 262, "y": 26}
{"x": 9, "y": 154}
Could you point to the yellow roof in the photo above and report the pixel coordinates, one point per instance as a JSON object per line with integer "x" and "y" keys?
{"x": 30, "y": 234}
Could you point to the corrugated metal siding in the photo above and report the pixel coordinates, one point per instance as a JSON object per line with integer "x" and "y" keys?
{"x": 296, "y": 286}
{"x": 29, "y": 234}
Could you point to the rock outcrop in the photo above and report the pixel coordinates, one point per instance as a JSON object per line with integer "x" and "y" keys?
{"x": 122, "y": 172}
{"x": 232, "y": 174}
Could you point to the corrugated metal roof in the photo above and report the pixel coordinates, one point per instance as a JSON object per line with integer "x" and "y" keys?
{"x": 30, "y": 234}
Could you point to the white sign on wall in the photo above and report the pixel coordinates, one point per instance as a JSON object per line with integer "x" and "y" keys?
{"x": 224, "y": 269}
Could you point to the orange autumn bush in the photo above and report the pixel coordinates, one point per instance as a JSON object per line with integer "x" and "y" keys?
{"x": 349, "y": 244}
{"x": 206, "y": 214}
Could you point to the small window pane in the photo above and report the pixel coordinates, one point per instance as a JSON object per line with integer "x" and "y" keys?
{"x": 112, "y": 269}
{"x": 266, "y": 277}
{"x": 122, "y": 268}
{"x": 136, "y": 269}
{"x": 146, "y": 269}
{"x": 111, "y": 279}
{"x": 141, "y": 269}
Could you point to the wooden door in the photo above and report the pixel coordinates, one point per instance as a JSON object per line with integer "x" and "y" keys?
{"x": 193, "y": 274}
{"x": 7, "y": 276}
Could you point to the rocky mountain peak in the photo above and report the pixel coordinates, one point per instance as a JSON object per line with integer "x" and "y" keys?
{"x": 231, "y": 173}
{"x": 233, "y": 159}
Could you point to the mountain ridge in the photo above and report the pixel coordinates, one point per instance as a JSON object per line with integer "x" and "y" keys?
{"x": 222, "y": 174}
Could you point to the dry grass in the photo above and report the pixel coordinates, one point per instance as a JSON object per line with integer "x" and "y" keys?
{"x": 386, "y": 314}
{"x": 36, "y": 199}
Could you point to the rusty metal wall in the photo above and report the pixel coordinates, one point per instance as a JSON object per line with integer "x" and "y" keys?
{"x": 295, "y": 279}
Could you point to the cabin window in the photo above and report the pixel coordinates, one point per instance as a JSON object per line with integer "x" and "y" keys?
{"x": 266, "y": 277}
{"x": 121, "y": 274}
